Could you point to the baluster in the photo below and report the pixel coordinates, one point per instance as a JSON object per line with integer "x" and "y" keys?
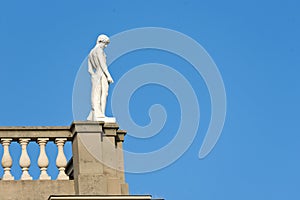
{"x": 25, "y": 160}
{"x": 6, "y": 160}
{"x": 61, "y": 160}
{"x": 43, "y": 161}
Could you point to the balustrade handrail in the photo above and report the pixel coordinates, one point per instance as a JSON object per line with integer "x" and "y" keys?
{"x": 34, "y": 132}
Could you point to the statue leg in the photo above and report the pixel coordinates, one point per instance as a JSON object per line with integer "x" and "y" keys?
{"x": 104, "y": 94}
{"x": 95, "y": 99}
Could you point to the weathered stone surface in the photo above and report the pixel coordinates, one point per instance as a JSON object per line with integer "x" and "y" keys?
{"x": 97, "y": 165}
{"x": 34, "y": 190}
{"x": 86, "y": 127}
{"x": 92, "y": 184}
{"x": 97, "y": 154}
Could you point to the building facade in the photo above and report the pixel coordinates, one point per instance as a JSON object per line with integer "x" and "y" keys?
{"x": 95, "y": 171}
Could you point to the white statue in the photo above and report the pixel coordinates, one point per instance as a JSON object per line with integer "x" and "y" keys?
{"x": 100, "y": 78}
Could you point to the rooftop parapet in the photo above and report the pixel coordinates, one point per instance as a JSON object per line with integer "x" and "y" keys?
{"x": 95, "y": 168}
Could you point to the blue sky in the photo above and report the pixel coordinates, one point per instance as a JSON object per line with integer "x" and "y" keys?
{"x": 255, "y": 45}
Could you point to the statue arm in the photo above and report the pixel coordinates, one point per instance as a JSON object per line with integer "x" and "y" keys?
{"x": 90, "y": 68}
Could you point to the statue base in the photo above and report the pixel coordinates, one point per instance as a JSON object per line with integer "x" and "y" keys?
{"x": 92, "y": 117}
{"x": 106, "y": 119}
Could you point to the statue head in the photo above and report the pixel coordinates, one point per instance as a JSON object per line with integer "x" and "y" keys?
{"x": 103, "y": 39}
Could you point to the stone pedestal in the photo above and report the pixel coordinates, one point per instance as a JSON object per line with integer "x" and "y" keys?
{"x": 98, "y": 164}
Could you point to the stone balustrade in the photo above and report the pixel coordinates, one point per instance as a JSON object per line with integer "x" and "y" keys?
{"x": 40, "y": 135}
{"x": 97, "y": 169}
